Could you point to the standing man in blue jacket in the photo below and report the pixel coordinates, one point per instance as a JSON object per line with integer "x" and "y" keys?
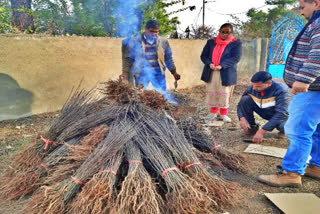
{"x": 270, "y": 100}
{"x": 147, "y": 58}
{"x": 302, "y": 74}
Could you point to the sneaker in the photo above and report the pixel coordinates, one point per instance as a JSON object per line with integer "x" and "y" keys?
{"x": 282, "y": 179}
{"x": 312, "y": 171}
{"x": 226, "y": 119}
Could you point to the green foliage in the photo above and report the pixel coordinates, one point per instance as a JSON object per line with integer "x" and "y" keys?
{"x": 5, "y": 17}
{"x": 261, "y": 23}
{"x": 157, "y": 11}
{"x": 97, "y": 17}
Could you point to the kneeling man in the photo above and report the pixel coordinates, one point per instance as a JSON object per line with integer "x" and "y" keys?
{"x": 270, "y": 100}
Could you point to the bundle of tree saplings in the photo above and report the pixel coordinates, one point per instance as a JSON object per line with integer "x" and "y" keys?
{"x": 124, "y": 155}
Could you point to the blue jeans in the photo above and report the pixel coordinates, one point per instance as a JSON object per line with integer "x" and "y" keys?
{"x": 157, "y": 79}
{"x": 303, "y": 131}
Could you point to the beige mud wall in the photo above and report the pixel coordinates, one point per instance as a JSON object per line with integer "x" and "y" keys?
{"x": 49, "y": 67}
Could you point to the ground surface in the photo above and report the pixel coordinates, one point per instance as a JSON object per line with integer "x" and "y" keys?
{"x": 16, "y": 133}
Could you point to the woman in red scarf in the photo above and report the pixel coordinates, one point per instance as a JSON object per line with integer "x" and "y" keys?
{"x": 220, "y": 56}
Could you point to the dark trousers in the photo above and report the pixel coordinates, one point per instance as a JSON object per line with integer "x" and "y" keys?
{"x": 248, "y": 106}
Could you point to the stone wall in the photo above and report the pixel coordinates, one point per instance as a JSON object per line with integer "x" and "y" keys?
{"x": 38, "y": 72}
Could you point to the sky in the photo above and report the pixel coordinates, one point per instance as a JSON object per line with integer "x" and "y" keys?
{"x": 215, "y": 11}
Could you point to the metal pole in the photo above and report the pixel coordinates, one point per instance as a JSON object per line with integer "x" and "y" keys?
{"x": 203, "y": 11}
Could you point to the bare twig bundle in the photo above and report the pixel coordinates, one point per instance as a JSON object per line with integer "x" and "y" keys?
{"x": 119, "y": 91}
{"x": 184, "y": 194}
{"x": 20, "y": 185}
{"x": 54, "y": 197}
{"x": 77, "y": 155}
{"x": 210, "y": 184}
{"x": 99, "y": 190}
{"x": 174, "y": 141}
{"x": 19, "y": 161}
{"x": 226, "y": 194}
{"x": 138, "y": 194}
{"x": 153, "y": 99}
{"x": 47, "y": 200}
{"x": 80, "y": 103}
{"x": 207, "y": 157}
{"x": 119, "y": 135}
{"x": 30, "y": 179}
{"x": 61, "y": 195}
{"x": 232, "y": 161}
{"x": 82, "y": 126}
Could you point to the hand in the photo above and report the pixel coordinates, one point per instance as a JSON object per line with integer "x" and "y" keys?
{"x": 122, "y": 76}
{"x": 218, "y": 68}
{"x": 299, "y": 87}
{"x": 244, "y": 124}
{"x": 257, "y": 138}
{"x": 212, "y": 67}
{"x": 176, "y": 75}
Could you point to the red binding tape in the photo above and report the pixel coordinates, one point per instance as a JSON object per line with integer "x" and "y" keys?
{"x": 113, "y": 172}
{"x": 76, "y": 180}
{"x": 168, "y": 170}
{"x": 44, "y": 166}
{"x": 47, "y": 142}
{"x": 135, "y": 161}
{"x": 193, "y": 164}
{"x": 215, "y": 145}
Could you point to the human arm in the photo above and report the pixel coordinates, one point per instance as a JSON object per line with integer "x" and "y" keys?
{"x": 281, "y": 111}
{"x": 309, "y": 70}
{"x": 205, "y": 54}
{"x": 258, "y": 137}
{"x": 235, "y": 56}
{"x": 169, "y": 60}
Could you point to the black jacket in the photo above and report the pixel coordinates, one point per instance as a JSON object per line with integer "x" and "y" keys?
{"x": 230, "y": 57}
{"x": 275, "y": 101}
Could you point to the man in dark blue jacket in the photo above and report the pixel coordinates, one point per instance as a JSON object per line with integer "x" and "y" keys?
{"x": 269, "y": 99}
{"x": 147, "y": 57}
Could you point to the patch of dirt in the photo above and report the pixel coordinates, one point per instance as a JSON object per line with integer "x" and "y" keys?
{"x": 16, "y": 133}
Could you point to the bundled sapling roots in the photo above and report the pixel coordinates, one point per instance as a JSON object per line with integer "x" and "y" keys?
{"x": 60, "y": 196}
{"x": 24, "y": 163}
{"x": 119, "y": 91}
{"x": 138, "y": 193}
{"x": 183, "y": 194}
{"x": 122, "y": 92}
{"x": 153, "y": 99}
{"x": 77, "y": 154}
{"x": 225, "y": 194}
{"x": 100, "y": 190}
{"x": 232, "y": 161}
{"x": 124, "y": 158}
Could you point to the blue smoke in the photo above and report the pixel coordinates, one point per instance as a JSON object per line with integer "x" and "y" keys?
{"x": 129, "y": 17}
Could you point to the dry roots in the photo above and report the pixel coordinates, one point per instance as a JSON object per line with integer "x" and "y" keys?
{"x": 99, "y": 194}
{"x": 190, "y": 198}
{"x": 232, "y": 161}
{"x": 154, "y": 100}
{"x": 48, "y": 200}
{"x": 138, "y": 194}
{"x": 225, "y": 194}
